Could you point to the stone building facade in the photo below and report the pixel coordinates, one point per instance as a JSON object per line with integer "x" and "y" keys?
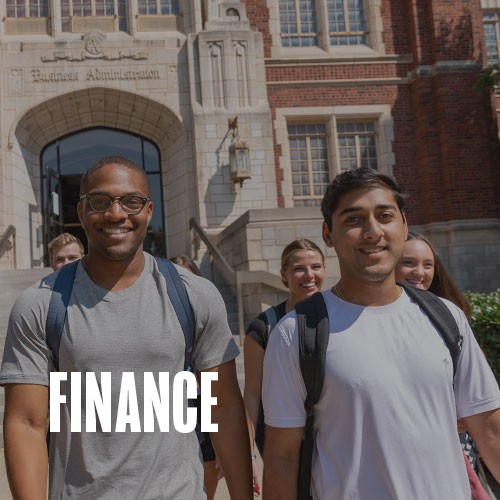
{"x": 317, "y": 87}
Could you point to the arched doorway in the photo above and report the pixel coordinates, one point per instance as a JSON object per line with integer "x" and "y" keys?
{"x": 63, "y": 163}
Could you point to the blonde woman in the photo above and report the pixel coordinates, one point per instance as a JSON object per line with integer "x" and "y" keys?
{"x": 302, "y": 271}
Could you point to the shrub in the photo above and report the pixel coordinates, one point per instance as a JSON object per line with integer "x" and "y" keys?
{"x": 489, "y": 78}
{"x": 485, "y": 323}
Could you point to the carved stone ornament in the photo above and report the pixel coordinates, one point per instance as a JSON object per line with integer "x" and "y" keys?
{"x": 93, "y": 42}
{"x": 93, "y": 50}
{"x": 16, "y": 82}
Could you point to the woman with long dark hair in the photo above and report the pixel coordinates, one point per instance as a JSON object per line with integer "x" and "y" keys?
{"x": 421, "y": 267}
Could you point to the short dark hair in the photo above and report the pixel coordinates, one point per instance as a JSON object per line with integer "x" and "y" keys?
{"x": 352, "y": 180}
{"x": 110, "y": 160}
{"x": 442, "y": 283}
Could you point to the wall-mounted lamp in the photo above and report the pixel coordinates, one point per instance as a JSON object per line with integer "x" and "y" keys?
{"x": 239, "y": 154}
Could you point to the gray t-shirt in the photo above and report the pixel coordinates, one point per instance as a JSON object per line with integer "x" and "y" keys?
{"x": 132, "y": 330}
{"x": 386, "y": 422}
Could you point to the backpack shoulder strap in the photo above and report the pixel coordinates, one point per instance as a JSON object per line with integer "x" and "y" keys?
{"x": 441, "y": 317}
{"x": 180, "y": 302}
{"x": 271, "y": 319}
{"x": 313, "y": 328}
{"x": 58, "y": 307}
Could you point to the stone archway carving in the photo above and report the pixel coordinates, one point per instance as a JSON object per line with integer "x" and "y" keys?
{"x": 94, "y": 107}
{"x": 71, "y": 112}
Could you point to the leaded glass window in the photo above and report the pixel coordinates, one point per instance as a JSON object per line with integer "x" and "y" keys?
{"x": 298, "y": 21}
{"x": 27, "y": 8}
{"x": 309, "y": 163}
{"x": 346, "y": 22}
{"x": 357, "y": 143}
{"x": 491, "y": 24}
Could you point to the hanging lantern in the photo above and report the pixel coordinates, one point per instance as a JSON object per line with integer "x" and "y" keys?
{"x": 239, "y": 155}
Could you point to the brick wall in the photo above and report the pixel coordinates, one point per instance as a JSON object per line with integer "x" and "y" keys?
{"x": 445, "y": 134}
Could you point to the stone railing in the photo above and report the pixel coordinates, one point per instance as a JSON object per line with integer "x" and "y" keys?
{"x": 235, "y": 279}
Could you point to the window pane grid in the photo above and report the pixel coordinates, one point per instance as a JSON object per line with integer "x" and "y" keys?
{"x": 158, "y": 7}
{"x": 82, "y": 8}
{"x": 122, "y": 15}
{"x": 65, "y": 15}
{"x": 32, "y": 8}
{"x": 147, "y": 7}
{"x": 309, "y": 163}
{"x": 346, "y": 22}
{"x": 169, "y": 7}
{"x": 491, "y": 23}
{"x": 357, "y": 143}
{"x": 16, "y": 8}
{"x": 86, "y": 8}
{"x": 38, "y": 8}
{"x": 299, "y": 26}
{"x": 105, "y": 7}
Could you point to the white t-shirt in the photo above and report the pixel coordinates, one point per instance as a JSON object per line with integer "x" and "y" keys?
{"x": 386, "y": 420}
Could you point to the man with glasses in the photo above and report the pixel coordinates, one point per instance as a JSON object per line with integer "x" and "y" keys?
{"x": 119, "y": 319}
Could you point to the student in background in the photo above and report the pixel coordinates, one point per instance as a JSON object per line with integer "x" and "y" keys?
{"x": 303, "y": 272}
{"x": 64, "y": 249}
{"x": 421, "y": 267}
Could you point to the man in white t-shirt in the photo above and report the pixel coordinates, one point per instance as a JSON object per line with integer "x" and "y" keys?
{"x": 385, "y": 425}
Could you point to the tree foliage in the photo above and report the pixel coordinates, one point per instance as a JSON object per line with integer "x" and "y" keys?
{"x": 489, "y": 78}
{"x": 485, "y": 323}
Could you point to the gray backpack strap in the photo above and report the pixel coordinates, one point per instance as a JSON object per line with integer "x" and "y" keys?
{"x": 271, "y": 319}
{"x": 56, "y": 315}
{"x": 58, "y": 307}
{"x": 314, "y": 332}
{"x": 179, "y": 299}
{"x": 180, "y": 302}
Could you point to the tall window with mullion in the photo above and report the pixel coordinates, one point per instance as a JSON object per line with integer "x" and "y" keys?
{"x": 298, "y": 22}
{"x": 309, "y": 163}
{"x": 158, "y": 7}
{"x": 346, "y": 22}
{"x": 105, "y": 7}
{"x": 357, "y": 143}
{"x": 82, "y": 8}
{"x": 27, "y": 8}
{"x": 87, "y": 8}
{"x": 491, "y": 24}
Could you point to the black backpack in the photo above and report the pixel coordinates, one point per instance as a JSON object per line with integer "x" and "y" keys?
{"x": 314, "y": 331}
{"x": 270, "y": 320}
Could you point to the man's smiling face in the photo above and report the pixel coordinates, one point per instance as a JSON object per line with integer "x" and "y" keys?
{"x": 114, "y": 234}
{"x": 368, "y": 233}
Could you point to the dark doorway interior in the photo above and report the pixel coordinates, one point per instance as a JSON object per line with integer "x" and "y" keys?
{"x": 70, "y": 189}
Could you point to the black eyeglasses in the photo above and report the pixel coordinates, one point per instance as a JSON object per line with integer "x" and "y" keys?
{"x": 131, "y": 204}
